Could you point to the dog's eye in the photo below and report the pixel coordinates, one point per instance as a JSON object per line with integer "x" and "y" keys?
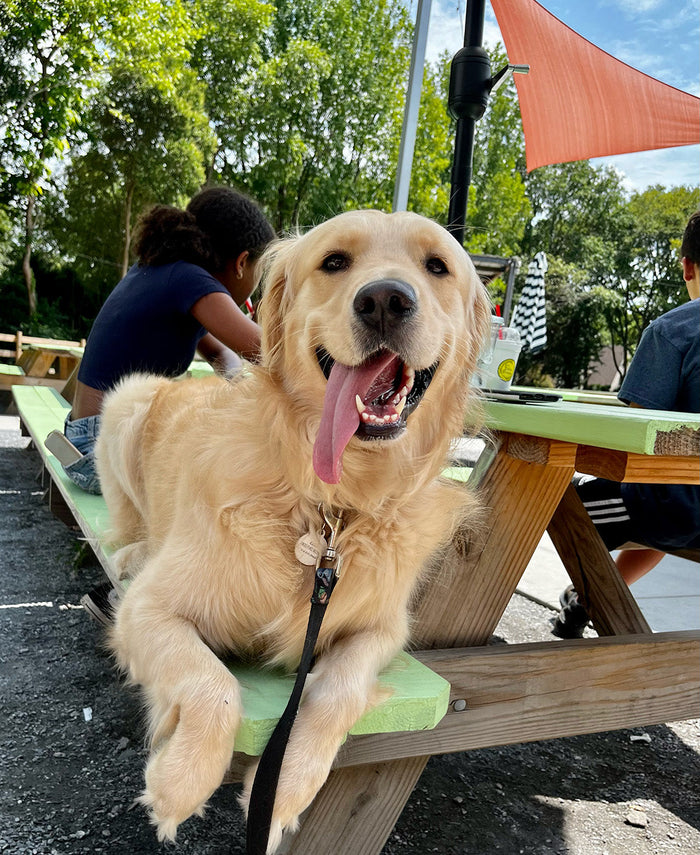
{"x": 436, "y": 266}
{"x": 335, "y": 262}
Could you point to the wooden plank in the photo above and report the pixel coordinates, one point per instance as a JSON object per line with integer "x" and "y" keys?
{"x": 537, "y": 449}
{"x": 36, "y": 363}
{"x": 466, "y": 597}
{"x": 624, "y": 429}
{"x": 355, "y": 811}
{"x": 529, "y": 692}
{"x": 638, "y": 468}
{"x": 607, "y": 599}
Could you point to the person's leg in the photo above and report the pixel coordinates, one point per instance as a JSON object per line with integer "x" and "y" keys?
{"x": 602, "y": 500}
{"x": 83, "y": 434}
{"x": 635, "y": 563}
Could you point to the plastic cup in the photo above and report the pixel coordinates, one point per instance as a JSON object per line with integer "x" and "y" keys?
{"x": 498, "y": 374}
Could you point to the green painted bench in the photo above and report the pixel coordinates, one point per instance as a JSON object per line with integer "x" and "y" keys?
{"x": 10, "y": 375}
{"x": 418, "y": 696}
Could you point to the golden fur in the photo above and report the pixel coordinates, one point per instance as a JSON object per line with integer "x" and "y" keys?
{"x": 210, "y": 484}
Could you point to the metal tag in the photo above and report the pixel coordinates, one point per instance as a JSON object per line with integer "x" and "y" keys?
{"x": 309, "y": 548}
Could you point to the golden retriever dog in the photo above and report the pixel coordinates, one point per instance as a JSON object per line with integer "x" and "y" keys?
{"x": 372, "y": 324}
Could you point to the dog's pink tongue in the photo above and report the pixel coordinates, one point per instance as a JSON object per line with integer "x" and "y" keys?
{"x": 340, "y": 418}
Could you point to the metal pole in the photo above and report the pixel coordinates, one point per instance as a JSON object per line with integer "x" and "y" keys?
{"x": 410, "y": 119}
{"x": 470, "y": 83}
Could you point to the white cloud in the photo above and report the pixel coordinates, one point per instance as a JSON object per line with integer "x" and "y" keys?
{"x": 670, "y": 167}
{"x": 637, "y": 7}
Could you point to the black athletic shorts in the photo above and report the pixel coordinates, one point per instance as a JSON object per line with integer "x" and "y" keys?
{"x": 605, "y": 506}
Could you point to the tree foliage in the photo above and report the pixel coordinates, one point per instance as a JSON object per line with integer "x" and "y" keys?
{"x": 49, "y": 50}
{"x": 318, "y": 132}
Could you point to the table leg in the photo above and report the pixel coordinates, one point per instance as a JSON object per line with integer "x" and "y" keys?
{"x": 462, "y": 604}
{"x": 593, "y": 572}
{"x": 356, "y": 810}
{"x": 36, "y": 363}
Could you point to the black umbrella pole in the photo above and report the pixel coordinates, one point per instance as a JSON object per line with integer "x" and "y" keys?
{"x": 470, "y": 84}
{"x": 461, "y": 178}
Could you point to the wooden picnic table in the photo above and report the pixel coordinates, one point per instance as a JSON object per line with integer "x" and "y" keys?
{"x": 498, "y": 694}
{"x": 38, "y": 359}
{"x": 517, "y": 693}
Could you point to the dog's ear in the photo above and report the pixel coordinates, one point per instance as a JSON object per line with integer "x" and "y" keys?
{"x": 277, "y": 271}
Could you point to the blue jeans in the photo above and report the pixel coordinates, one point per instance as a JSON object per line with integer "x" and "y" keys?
{"x": 83, "y": 434}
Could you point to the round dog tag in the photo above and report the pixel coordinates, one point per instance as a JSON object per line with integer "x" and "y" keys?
{"x": 309, "y": 547}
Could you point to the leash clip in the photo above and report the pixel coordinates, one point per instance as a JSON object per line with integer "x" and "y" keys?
{"x": 328, "y": 566}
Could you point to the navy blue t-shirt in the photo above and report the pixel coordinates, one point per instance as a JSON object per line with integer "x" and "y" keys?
{"x": 665, "y": 375}
{"x": 145, "y": 324}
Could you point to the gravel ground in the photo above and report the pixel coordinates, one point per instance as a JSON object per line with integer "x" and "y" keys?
{"x": 71, "y": 738}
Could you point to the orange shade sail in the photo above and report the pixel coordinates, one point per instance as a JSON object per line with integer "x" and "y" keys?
{"x": 578, "y": 101}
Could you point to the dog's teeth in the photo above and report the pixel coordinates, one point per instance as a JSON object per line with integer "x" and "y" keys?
{"x": 400, "y": 406}
{"x": 365, "y": 416}
{"x": 360, "y": 405}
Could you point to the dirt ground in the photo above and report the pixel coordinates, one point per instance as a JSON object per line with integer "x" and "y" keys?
{"x": 71, "y": 738}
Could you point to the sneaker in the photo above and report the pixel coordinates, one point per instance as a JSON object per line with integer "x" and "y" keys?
{"x": 573, "y": 618}
{"x": 100, "y": 603}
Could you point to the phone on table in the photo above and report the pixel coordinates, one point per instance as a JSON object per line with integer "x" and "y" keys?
{"x": 61, "y": 448}
{"x": 520, "y": 397}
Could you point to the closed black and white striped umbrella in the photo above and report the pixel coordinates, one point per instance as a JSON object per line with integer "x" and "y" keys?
{"x": 530, "y": 316}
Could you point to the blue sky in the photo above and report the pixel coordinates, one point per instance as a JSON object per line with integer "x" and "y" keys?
{"x": 658, "y": 37}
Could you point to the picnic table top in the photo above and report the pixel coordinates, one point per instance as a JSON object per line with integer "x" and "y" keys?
{"x": 629, "y": 429}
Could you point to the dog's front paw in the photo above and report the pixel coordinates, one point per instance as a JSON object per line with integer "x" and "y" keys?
{"x": 166, "y": 813}
{"x": 298, "y": 784}
{"x": 173, "y": 792}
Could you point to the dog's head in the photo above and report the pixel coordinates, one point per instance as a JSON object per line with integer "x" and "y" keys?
{"x": 363, "y": 317}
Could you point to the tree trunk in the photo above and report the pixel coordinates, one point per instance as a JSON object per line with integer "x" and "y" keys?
{"x": 127, "y": 229}
{"x": 29, "y": 280}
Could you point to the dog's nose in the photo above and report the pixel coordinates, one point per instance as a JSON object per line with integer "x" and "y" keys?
{"x": 385, "y": 304}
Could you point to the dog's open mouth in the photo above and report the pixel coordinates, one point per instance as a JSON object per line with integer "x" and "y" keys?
{"x": 371, "y": 400}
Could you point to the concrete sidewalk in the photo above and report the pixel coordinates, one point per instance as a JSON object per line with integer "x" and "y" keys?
{"x": 669, "y": 595}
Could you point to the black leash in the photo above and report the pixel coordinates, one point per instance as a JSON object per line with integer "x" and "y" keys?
{"x": 262, "y": 797}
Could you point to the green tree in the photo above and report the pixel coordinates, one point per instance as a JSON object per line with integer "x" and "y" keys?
{"x": 499, "y": 209}
{"x": 148, "y": 141}
{"x": 577, "y": 313}
{"x": 49, "y": 51}
{"x": 429, "y": 192}
{"x": 226, "y": 55}
{"x": 318, "y": 132}
{"x": 578, "y": 214}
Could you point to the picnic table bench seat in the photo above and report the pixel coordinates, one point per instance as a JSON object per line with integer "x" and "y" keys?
{"x": 34, "y": 360}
